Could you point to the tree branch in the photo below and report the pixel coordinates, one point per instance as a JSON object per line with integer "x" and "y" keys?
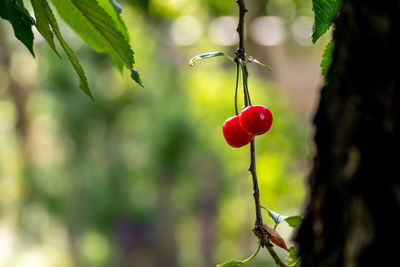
{"x": 241, "y": 58}
{"x": 259, "y": 226}
{"x": 240, "y": 53}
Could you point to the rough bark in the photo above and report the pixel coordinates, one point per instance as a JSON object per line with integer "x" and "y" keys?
{"x": 353, "y": 209}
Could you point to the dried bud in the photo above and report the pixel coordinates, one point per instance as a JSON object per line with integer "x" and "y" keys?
{"x": 275, "y": 237}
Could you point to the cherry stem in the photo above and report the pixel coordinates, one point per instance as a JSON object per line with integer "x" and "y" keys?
{"x": 236, "y": 88}
{"x": 245, "y": 85}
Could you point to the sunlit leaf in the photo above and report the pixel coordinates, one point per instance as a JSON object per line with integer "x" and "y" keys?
{"x": 42, "y": 23}
{"x": 208, "y": 55}
{"x": 97, "y": 23}
{"x": 75, "y": 63}
{"x": 114, "y": 10}
{"x": 15, "y": 12}
{"x": 326, "y": 12}
{"x": 251, "y": 60}
{"x": 116, "y": 6}
{"x": 232, "y": 263}
{"x": 327, "y": 58}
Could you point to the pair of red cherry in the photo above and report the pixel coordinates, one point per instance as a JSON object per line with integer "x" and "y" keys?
{"x": 239, "y": 130}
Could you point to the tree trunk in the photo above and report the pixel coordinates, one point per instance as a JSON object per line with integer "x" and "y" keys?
{"x": 353, "y": 206}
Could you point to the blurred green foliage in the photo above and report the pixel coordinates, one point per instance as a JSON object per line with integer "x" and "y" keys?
{"x": 140, "y": 177}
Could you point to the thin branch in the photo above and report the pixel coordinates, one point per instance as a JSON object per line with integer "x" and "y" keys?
{"x": 256, "y": 191}
{"x": 241, "y": 59}
{"x": 240, "y": 53}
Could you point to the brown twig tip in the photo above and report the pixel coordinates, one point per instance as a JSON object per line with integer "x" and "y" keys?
{"x": 242, "y": 5}
{"x": 240, "y": 53}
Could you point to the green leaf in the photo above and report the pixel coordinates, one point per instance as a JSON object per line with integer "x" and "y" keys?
{"x": 251, "y": 60}
{"x": 293, "y": 221}
{"x": 105, "y": 25}
{"x": 42, "y": 23}
{"x": 116, "y": 6}
{"x": 114, "y": 10}
{"x": 75, "y": 63}
{"x": 326, "y": 12}
{"x": 51, "y": 20}
{"x": 292, "y": 259}
{"x": 15, "y": 12}
{"x": 233, "y": 263}
{"x": 136, "y": 77}
{"x": 97, "y": 23}
{"x": 208, "y": 55}
{"x": 327, "y": 58}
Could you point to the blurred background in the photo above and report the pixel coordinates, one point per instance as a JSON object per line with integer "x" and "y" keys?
{"x": 143, "y": 177}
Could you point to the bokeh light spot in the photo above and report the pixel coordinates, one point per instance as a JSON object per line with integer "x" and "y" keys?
{"x": 301, "y": 29}
{"x": 223, "y": 30}
{"x": 7, "y": 116}
{"x": 186, "y": 30}
{"x": 167, "y": 8}
{"x": 6, "y": 242}
{"x": 268, "y": 31}
{"x": 95, "y": 248}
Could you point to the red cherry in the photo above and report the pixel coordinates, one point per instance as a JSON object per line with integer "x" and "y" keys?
{"x": 234, "y": 135}
{"x": 256, "y": 120}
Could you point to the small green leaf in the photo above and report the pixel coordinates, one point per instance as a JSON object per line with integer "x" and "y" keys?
{"x": 42, "y": 23}
{"x": 293, "y": 221}
{"x": 15, "y": 12}
{"x": 233, "y": 263}
{"x": 208, "y": 55}
{"x": 326, "y": 12}
{"x": 136, "y": 77}
{"x": 251, "y": 60}
{"x": 327, "y": 58}
{"x": 292, "y": 259}
{"x": 74, "y": 61}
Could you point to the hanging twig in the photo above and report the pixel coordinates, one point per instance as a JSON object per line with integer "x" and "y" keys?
{"x": 241, "y": 60}
{"x": 241, "y": 57}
